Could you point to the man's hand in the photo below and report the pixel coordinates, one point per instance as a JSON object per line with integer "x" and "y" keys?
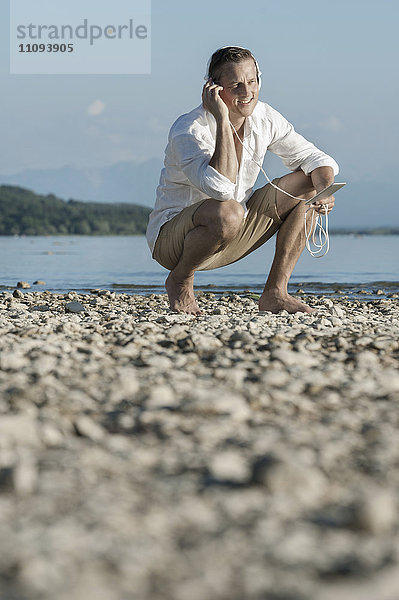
{"x": 322, "y": 177}
{"x": 212, "y": 101}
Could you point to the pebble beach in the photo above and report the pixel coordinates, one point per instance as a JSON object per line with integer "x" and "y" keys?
{"x": 238, "y": 455}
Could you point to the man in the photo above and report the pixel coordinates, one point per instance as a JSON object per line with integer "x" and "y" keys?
{"x": 206, "y": 213}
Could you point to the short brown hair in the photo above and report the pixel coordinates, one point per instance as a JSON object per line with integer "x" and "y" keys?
{"x": 226, "y": 55}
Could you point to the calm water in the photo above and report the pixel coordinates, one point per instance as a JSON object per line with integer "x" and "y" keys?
{"x": 124, "y": 264}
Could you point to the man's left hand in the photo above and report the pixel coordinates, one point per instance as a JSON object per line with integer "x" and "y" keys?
{"x": 320, "y": 205}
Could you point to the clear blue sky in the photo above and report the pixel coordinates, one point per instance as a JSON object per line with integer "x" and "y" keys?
{"x": 329, "y": 67}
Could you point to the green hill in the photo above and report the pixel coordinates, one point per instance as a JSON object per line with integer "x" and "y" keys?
{"x": 22, "y": 212}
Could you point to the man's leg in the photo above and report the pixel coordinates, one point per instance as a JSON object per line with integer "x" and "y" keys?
{"x": 289, "y": 244}
{"x": 216, "y": 224}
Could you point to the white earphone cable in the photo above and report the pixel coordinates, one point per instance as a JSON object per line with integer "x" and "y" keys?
{"x": 323, "y": 243}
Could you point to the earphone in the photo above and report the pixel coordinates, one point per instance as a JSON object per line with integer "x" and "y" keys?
{"x": 323, "y": 242}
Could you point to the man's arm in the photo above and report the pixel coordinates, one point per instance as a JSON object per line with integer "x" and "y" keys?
{"x": 321, "y": 178}
{"x": 224, "y": 158}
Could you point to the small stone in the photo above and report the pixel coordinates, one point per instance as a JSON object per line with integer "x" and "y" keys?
{"x": 12, "y": 361}
{"x": 205, "y": 343}
{"x": 23, "y": 284}
{"x": 51, "y": 436}
{"x": 336, "y": 322}
{"x": 39, "y": 282}
{"x": 41, "y": 308}
{"x": 242, "y": 336}
{"x": 176, "y": 332}
{"x": 20, "y": 429}
{"x": 161, "y": 363}
{"x": 337, "y": 311}
{"x": 161, "y": 396}
{"x": 303, "y": 484}
{"x": 291, "y": 358}
{"x": 25, "y": 475}
{"x": 377, "y": 511}
{"x": 74, "y": 307}
{"x": 230, "y": 465}
{"x": 17, "y": 294}
{"x": 86, "y": 427}
{"x": 218, "y": 402}
{"x": 6, "y": 479}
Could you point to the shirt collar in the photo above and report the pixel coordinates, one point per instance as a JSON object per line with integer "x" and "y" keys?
{"x": 251, "y": 123}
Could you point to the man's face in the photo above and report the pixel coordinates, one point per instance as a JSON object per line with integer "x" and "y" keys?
{"x": 240, "y": 87}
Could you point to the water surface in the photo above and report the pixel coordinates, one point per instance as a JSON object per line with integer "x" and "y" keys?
{"x": 122, "y": 263}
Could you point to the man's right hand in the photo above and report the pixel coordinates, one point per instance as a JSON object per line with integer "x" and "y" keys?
{"x": 212, "y": 101}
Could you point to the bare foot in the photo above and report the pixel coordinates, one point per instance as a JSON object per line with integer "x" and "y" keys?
{"x": 181, "y": 295}
{"x": 276, "y": 302}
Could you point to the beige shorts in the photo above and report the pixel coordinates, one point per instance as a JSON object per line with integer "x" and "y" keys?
{"x": 260, "y": 224}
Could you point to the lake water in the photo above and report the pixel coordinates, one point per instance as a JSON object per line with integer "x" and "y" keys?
{"x": 124, "y": 264}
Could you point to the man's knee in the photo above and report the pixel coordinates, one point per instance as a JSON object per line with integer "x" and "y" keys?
{"x": 228, "y": 219}
{"x": 296, "y": 184}
{"x": 223, "y": 219}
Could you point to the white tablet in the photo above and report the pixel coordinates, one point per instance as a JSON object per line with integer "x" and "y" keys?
{"x": 326, "y": 193}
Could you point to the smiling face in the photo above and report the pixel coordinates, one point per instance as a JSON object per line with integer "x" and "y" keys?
{"x": 240, "y": 88}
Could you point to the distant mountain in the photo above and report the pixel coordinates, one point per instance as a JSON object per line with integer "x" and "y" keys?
{"x": 130, "y": 182}
{"x": 358, "y": 205}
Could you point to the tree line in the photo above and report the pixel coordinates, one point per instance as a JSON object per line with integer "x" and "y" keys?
{"x": 22, "y": 212}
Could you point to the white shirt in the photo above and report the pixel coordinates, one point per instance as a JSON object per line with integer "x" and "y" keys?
{"x": 187, "y": 177}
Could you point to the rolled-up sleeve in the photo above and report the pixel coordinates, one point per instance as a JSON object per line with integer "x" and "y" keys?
{"x": 294, "y": 150}
{"x": 192, "y": 157}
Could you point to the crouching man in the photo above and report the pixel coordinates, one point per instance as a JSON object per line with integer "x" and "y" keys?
{"x": 206, "y": 213}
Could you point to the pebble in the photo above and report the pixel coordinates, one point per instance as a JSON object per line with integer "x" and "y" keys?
{"x": 377, "y": 511}
{"x": 230, "y": 466}
{"x": 161, "y": 396}
{"x": 86, "y": 427}
{"x": 74, "y": 307}
{"x": 25, "y": 475}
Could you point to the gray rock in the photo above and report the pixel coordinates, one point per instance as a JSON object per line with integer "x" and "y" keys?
{"x": 23, "y": 284}
{"x": 74, "y": 307}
